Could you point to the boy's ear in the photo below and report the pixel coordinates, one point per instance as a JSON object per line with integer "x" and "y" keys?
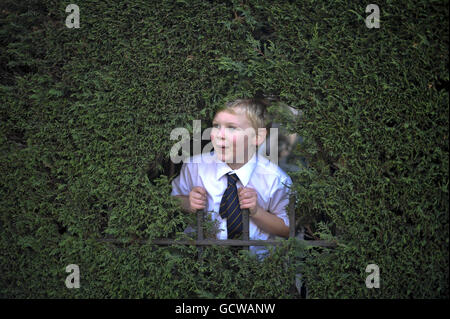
{"x": 260, "y": 137}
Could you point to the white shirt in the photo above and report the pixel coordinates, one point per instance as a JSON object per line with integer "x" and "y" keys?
{"x": 266, "y": 178}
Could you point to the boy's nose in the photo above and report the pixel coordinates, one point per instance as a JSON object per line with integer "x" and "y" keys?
{"x": 222, "y": 133}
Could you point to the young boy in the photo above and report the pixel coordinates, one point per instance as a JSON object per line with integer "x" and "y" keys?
{"x": 234, "y": 177}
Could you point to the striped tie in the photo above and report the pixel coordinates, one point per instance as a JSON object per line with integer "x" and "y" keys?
{"x": 229, "y": 208}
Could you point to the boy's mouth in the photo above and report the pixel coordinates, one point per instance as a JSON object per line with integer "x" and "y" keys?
{"x": 222, "y": 147}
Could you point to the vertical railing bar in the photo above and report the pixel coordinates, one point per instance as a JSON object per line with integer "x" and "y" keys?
{"x": 291, "y": 212}
{"x": 200, "y": 235}
{"x": 245, "y": 225}
{"x": 291, "y": 209}
{"x": 172, "y": 169}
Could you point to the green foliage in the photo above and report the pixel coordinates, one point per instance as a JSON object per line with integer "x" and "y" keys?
{"x": 86, "y": 116}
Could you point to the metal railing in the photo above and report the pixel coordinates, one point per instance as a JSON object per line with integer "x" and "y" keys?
{"x": 245, "y": 241}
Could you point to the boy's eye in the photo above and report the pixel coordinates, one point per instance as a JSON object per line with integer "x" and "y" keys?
{"x": 227, "y": 128}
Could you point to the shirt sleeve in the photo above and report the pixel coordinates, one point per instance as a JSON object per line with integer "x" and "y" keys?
{"x": 182, "y": 184}
{"x": 279, "y": 201}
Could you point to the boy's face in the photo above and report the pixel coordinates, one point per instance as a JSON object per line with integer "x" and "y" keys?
{"x": 234, "y": 139}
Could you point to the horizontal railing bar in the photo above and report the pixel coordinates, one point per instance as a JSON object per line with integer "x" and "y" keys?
{"x": 218, "y": 242}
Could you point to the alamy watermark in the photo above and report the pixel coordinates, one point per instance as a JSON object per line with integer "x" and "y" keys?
{"x": 373, "y": 20}
{"x": 73, "y": 19}
{"x": 234, "y": 144}
{"x": 73, "y": 280}
{"x": 373, "y": 279}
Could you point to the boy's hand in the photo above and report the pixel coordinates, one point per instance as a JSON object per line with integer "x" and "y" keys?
{"x": 197, "y": 198}
{"x": 248, "y": 198}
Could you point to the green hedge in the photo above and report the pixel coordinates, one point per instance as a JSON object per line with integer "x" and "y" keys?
{"x": 86, "y": 116}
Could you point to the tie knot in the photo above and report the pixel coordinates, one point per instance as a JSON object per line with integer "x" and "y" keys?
{"x": 232, "y": 179}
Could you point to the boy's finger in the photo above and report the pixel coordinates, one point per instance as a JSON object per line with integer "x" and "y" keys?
{"x": 198, "y": 201}
{"x": 246, "y": 202}
{"x": 199, "y": 205}
{"x": 201, "y": 190}
{"x": 244, "y": 206}
{"x": 199, "y": 196}
{"x": 248, "y": 190}
{"x": 242, "y": 190}
{"x": 248, "y": 193}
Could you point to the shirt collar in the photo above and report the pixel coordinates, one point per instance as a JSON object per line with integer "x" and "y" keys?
{"x": 244, "y": 173}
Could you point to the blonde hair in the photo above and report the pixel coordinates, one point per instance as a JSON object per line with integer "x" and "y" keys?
{"x": 254, "y": 109}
